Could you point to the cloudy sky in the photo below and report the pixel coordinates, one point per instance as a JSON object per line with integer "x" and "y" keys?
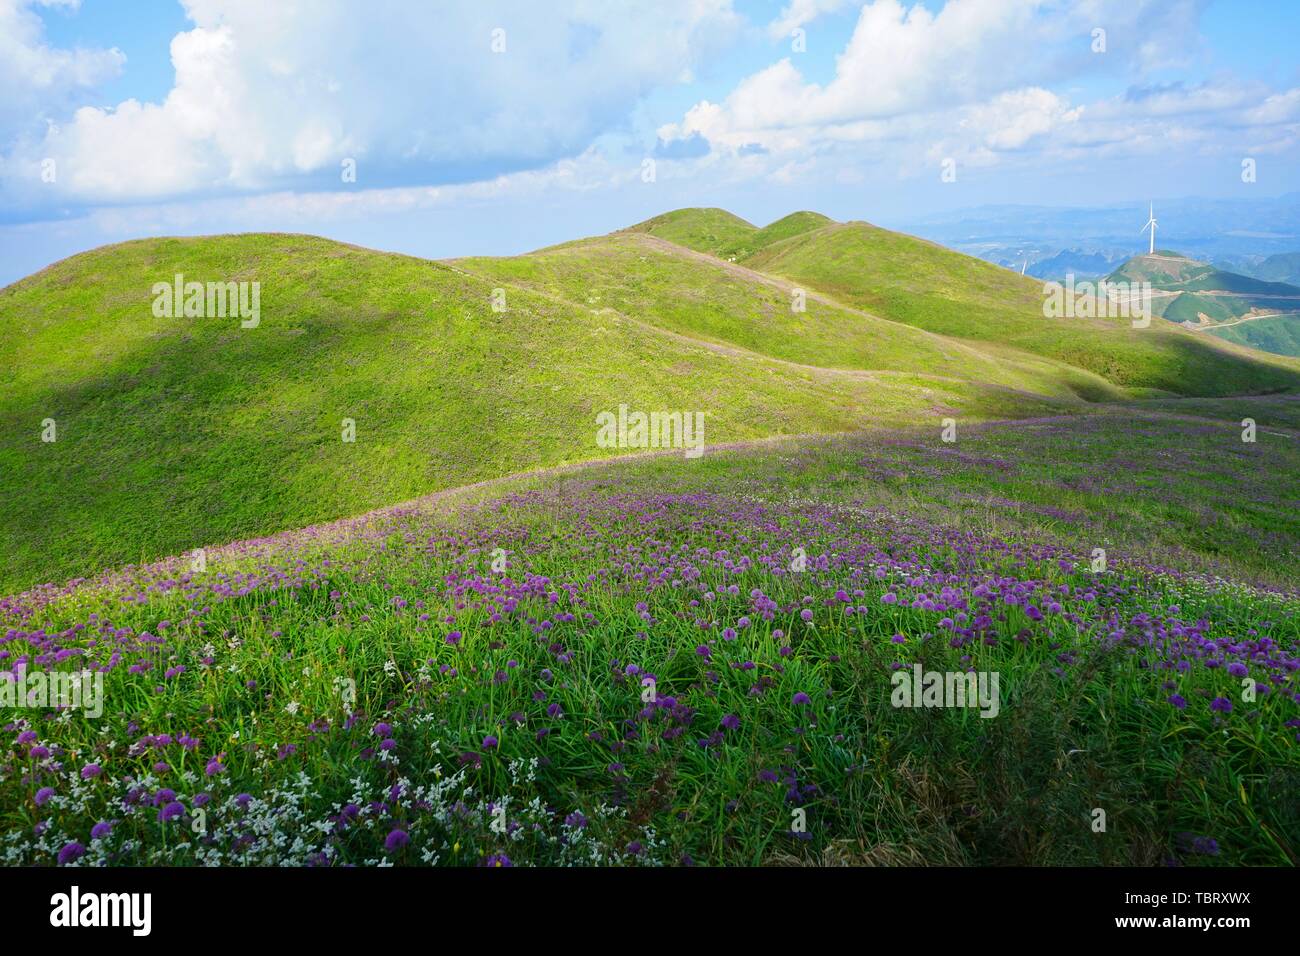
{"x": 477, "y": 126}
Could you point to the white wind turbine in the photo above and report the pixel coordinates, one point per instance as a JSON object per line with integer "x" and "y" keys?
{"x": 1151, "y": 224}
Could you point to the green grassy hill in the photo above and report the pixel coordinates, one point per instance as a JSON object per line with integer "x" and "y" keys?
{"x": 1280, "y": 334}
{"x": 1170, "y": 271}
{"x": 634, "y": 275}
{"x": 1224, "y": 304}
{"x": 910, "y": 280}
{"x": 767, "y": 593}
{"x": 175, "y": 433}
{"x": 721, "y": 234}
{"x": 714, "y": 231}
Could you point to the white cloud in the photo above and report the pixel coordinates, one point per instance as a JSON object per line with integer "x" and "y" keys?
{"x": 271, "y": 96}
{"x": 979, "y": 80}
{"x": 798, "y": 13}
{"x": 1011, "y": 120}
{"x": 1277, "y": 108}
{"x": 898, "y": 60}
{"x": 37, "y": 78}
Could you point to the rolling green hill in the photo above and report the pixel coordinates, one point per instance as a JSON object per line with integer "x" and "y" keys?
{"x": 721, "y": 234}
{"x": 919, "y": 283}
{"x": 1242, "y": 309}
{"x": 632, "y": 274}
{"x": 1173, "y": 272}
{"x": 714, "y": 231}
{"x": 173, "y": 433}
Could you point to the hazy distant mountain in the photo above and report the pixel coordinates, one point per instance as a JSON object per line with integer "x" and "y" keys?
{"x": 1280, "y": 267}
{"x": 1231, "y": 231}
{"x": 1083, "y": 265}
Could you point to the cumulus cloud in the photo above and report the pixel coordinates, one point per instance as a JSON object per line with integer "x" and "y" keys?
{"x": 414, "y": 93}
{"x": 977, "y": 80}
{"x": 38, "y": 79}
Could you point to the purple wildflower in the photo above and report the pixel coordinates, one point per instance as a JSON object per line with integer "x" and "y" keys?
{"x": 71, "y": 851}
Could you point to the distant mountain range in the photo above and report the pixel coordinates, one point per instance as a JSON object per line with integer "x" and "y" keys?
{"x": 1257, "y": 238}
{"x": 1280, "y": 267}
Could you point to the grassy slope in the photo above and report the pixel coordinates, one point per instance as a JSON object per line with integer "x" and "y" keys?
{"x": 715, "y": 231}
{"x": 1192, "y": 280}
{"x": 1085, "y": 719}
{"x": 787, "y": 227}
{"x": 178, "y": 433}
{"x": 909, "y": 280}
{"x": 1280, "y": 335}
{"x": 1191, "y": 275}
{"x": 637, "y": 276}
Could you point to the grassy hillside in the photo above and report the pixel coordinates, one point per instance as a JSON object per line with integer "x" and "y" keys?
{"x": 631, "y": 274}
{"x": 714, "y": 231}
{"x": 175, "y": 433}
{"x": 1171, "y": 271}
{"x": 909, "y": 280}
{"x": 680, "y": 664}
{"x": 1221, "y": 303}
{"x": 721, "y": 234}
{"x": 1280, "y": 335}
{"x": 650, "y": 661}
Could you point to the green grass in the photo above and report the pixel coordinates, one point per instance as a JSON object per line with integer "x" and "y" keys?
{"x": 638, "y": 563}
{"x": 717, "y": 302}
{"x": 714, "y": 231}
{"x": 1280, "y": 335}
{"x": 175, "y": 433}
{"x": 1192, "y": 281}
{"x": 909, "y": 280}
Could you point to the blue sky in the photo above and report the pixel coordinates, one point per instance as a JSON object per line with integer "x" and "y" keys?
{"x": 158, "y": 117}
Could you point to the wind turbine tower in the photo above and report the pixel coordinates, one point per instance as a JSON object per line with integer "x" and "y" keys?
{"x": 1151, "y": 224}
